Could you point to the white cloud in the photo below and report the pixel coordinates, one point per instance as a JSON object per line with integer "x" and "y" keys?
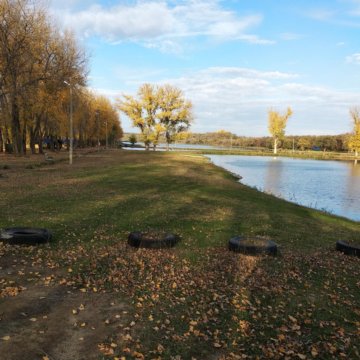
{"x": 162, "y": 24}
{"x": 112, "y": 94}
{"x": 250, "y": 73}
{"x": 123, "y": 22}
{"x": 353, "y": 59}
{"x": 238, "y": 99}
{"x": 321, "y": 14}
{"x": 339, "y": 16}
{"x": 165, "y": 46}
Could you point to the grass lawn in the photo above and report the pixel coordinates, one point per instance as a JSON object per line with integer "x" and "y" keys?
{"x": 100, "y": 299}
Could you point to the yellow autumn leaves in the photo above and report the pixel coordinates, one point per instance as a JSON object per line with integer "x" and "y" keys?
{"x": 277, "y": 125}
{"x": 158, "y": 111}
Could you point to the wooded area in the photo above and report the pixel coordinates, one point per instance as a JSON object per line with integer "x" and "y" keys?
{"x": 300, "y": 142}
{"x": 43, "y": 73}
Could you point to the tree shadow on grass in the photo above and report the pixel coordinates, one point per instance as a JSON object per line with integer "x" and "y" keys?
{"x": 196, "y": 299}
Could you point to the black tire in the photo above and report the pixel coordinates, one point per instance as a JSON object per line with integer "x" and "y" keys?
{"x": 138, "y": 239}
{"x": 348, "y": 249}
{"x": 238, "y": 244}
{"x": 25, "y": 236}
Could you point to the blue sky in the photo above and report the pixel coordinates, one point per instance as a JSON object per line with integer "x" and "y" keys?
{"x": 233, "y": 59}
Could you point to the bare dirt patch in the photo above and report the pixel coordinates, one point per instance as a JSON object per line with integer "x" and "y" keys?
{"x": 43, "y": 317}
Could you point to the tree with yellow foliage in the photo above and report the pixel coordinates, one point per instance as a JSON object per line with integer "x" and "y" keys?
{"x": 277, "y": 125}
{"x": 354, "y": 140}
{"x": 175, "y": 113}
{"x": 141, "y": 111}
{"x": 96, "y": 119}
{"x": 107, "y": 120}
{"x": 156, "y": 111}
{"x": 35, "y": 59}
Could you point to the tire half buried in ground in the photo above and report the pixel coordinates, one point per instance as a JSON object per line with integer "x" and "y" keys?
{"x": 252, "y": 245}
{"x": 348, "y": 248}
{"x": 152, "y": 240}
{"x": 25, "y": 236}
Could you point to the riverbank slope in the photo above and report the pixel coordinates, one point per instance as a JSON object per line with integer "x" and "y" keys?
{"x": 196, "y": 300}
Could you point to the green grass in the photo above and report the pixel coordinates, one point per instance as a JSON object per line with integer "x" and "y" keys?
{"x": 168, "y": 191}
{"x": 308, "y": 154}
{"x": 93, "y": 205}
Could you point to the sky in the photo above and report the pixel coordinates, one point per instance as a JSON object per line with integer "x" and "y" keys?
{"x": 233, "y": 59}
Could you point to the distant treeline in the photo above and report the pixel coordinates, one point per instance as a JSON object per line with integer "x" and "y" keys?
{"x": 227, "y": 139}
{"x": 308, "y": 142}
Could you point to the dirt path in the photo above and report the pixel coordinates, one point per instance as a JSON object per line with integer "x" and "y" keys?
{"x": 40, "y": 318}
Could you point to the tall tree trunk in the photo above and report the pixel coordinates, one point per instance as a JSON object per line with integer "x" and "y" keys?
{"x": 1, "y": 140}
{"x": 167, "y": 135}
{"x": 82, "y": 141}
{"x": 38, "y": 135}
{"x": 52, "y": 143}
{"x": 24, "y": 136}
{"x": 275, "y": 145}
{"x": 31, "y": 132}
{"x": 7, "y": 136}
{"x": 17, "y": 140}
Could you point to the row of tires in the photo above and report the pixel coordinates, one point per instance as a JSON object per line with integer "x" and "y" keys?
{"x": 248, "y": 245}
{"x": 25, "y": 236}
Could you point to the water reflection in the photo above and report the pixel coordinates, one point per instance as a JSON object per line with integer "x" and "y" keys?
{"x": 352, "y": 185}
{"x": 333, "y": 186}
{"x": 355, "y": 168}
{"x": 273, "y": 178}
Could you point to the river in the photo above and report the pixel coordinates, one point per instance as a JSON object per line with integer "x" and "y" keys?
{"x": 333, "y": 186}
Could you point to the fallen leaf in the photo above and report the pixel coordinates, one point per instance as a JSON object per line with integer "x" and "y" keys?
{"x": 314, "y": 352}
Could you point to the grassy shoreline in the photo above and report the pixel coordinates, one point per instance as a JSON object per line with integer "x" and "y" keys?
{"x": 197, "y": 300}
{"x": 308, "y": 154}
{"x": 313, "y": 155}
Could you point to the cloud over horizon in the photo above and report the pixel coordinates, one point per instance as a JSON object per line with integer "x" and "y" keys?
{"x": 306, "y": 57}
{"x": 238, "y": 99}
{"x": 162, "y": 24}
{"x": 353, "y": 59}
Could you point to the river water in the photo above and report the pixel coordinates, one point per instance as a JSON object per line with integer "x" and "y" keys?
{"x": 333, "y": 186}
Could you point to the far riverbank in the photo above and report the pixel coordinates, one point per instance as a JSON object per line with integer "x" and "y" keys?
{"x": 249, "y": 151}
